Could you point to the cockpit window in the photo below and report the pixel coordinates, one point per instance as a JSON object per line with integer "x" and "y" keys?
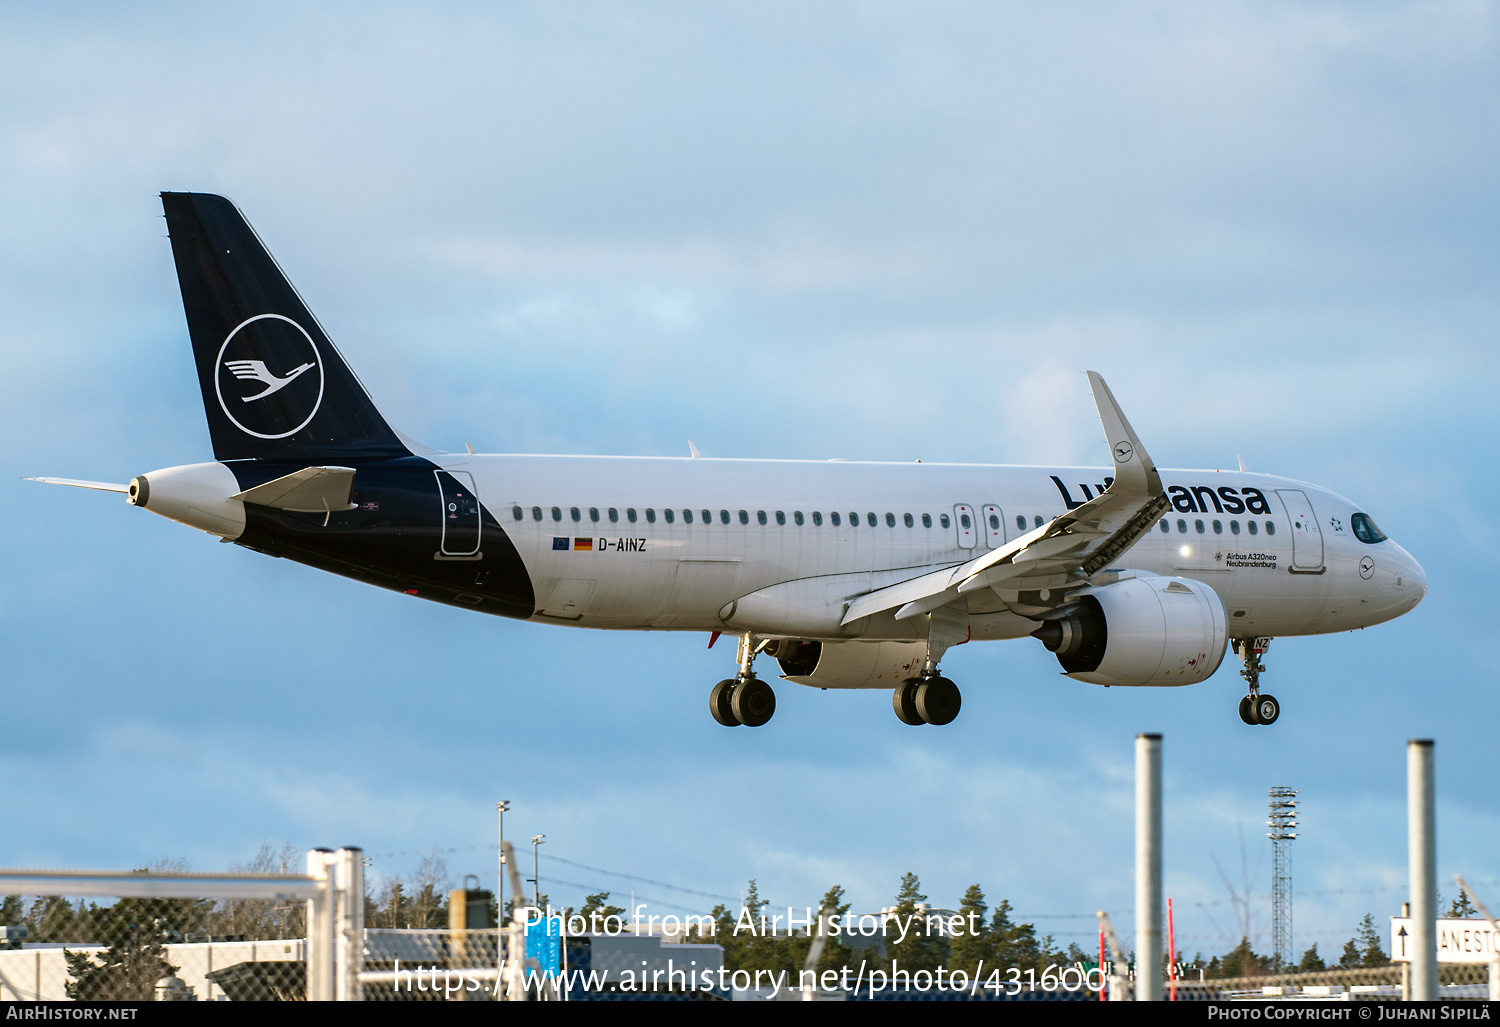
{"x": 1365, "y": 529}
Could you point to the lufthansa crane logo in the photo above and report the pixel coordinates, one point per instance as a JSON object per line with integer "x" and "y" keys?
{"x": 1123, "y": 452}
{"x": 269, "y": 377}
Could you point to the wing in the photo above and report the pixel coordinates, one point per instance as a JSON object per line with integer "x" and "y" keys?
{"x": 1066, "y": 552}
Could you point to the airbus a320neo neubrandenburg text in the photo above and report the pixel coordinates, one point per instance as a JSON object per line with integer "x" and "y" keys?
{"x": 849, "y": 575}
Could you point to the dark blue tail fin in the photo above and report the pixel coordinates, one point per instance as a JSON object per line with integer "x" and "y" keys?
{"x": 273, "y": 384}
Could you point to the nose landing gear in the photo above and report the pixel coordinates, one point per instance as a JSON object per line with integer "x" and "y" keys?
{"x": 743, "y": 699}
{"x": 1255, "y": 708}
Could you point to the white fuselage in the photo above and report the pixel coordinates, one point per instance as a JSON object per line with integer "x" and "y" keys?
{"x": 621, "y": 542}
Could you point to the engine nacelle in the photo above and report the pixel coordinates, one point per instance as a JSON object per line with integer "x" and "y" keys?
{"x": 848, "y": 664}
{"x": 1145, "y": 630}
{"x": 198, "y": 495}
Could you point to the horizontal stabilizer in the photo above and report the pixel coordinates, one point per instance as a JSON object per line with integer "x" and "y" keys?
{"x": 310, "y": 490}
{"x": 100, "y": 486}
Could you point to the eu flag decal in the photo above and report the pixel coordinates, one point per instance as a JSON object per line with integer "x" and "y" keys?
{"x": 585, "y": 545}
{"x": 559, "y": 543}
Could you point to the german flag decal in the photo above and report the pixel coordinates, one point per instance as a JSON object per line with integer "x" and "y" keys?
{"x": 585, "y": 545}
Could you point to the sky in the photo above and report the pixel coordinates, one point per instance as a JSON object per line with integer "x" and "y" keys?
{"x": 862, "y": 230}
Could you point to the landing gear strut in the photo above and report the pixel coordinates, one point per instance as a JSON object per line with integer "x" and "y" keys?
{"x": 930, "y": 698}
{"x": 1255, "y": 708}
{"x": 743, "y": 699}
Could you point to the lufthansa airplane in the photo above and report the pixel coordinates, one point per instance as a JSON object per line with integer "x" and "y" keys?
{"x": 849, "y": 575}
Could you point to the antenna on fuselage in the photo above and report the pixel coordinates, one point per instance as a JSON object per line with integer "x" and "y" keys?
{"x": 1243, "y": 468}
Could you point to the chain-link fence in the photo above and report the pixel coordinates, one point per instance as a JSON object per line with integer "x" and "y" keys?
{"x": 1456, "y": 981}
{"x": 169, "y": 936}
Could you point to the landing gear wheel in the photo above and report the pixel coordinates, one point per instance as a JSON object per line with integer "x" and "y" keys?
{"x": 1247, "y": 710}
{"x": 938, "y": 701}
{"x": 721, "y": 703}
{"x": 754, "y": 703}
{"x": 904, "y": 699}
{"x": 1267, "y": 709}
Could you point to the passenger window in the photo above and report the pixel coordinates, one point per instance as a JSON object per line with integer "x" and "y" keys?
{"x": 994, "y": 522}
{"x": 556, "y": 514}
{"x": 1181, "y": 526}
{"x": 1234, "y": 527}
{"x": 1254, "y": 528}
{"x": 1020, "y": 523}
{"x": 723, "y": 516}
{"x": 890, "y": 519}
{"x": 1038, "y": 523}
{"x": 519, "y": 513}
{"x": 744, "y": 517}
{"x": 927, "y": 520}
{"x": 708, "y": 517}
{"x": 667, "y": 513}
{"x": 1199, "y": 526}
{"x": 614, "y": 515}
{"x": 780, "y": 517}
{"x": 797, "y": 516}
{"x": 1218, "y": 528}
{"x": 1365, "y": 529}
{"x": 906, "y": 519}
{"x": 760, "y": 515}
{"x": 575, "y": 515}
{"x": 1165, "y": 527}
{"x": 942, "y": 520}
{"x": 1270, "y": 527}
{"x": 536, "y": 513}
{"x": 963, "y": 519}
{"x": 834, "y": 518}
{"x": 818, "y": 517}
{"x": 630, "y": 514}
{"x": 594, "y": 514}
{"x": 853, "y": 519}
{"x": 650, "y": 516}
{"x": 872, "y": 519}
{"x": 687, "y": 517}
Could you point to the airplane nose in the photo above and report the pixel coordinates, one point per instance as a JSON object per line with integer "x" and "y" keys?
{"x": 1413, "y": 578}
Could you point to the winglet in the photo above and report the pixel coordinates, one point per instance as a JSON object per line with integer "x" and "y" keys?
{"x": 1135, "y": 472}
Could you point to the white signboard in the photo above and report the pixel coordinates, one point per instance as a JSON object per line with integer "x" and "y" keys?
{"x": 1458, "y": 941}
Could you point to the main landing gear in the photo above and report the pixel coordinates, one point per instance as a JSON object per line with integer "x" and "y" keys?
{"x": 926, "y": 700}
{"x": 1255, "y": 708}
{"x": 743, "y": 699}
{"x": 930, "y": 698}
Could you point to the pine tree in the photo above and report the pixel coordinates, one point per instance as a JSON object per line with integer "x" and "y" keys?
{"x": 1311, "y": 961}
{"x": 1015, "y": 945}
{"x": 975, "y": 944}
{"x": 1371, "y": 954}
{"x": 1462, "y": 908}
{"x": 1243, "y": 961}
{"x": 1349, "y": 958}
{"x": 836, "y": 953}
{"x": 918, "y": 950}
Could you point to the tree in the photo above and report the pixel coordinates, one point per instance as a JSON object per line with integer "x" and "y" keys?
{"x": 1462, "y": 908}
{"x": 1349, "y": 958}
{"x": 135, "y": 960}
{"x": 918, "y": 950}
{"x": 1311, "y": 961}
{"x": 976, "y": 944}
{"x": 836, "y": 953}
{"x": 1243, "y": 961}
{"x": 597, "y": 905}
{"x": 12, "y": 911}
{"x": 1015, "y": 945}
{"x": 1370, "y": 952}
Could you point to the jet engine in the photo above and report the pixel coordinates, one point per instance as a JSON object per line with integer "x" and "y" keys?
{"x": 1143, "y": 630}
{"x": 848, "y": 664}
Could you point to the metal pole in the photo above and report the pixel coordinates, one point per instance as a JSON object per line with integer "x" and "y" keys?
{"x": 536, "y": 878}
{"x": 500, "y": 808}
{"x": 320, "y": 929}
{"x": 1421, "y": 847}
{"x": 1148, "y": 913}
{"x": 349, "y": 937}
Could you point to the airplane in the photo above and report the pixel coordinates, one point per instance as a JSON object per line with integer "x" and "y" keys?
{"x": 847, "y": 574}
